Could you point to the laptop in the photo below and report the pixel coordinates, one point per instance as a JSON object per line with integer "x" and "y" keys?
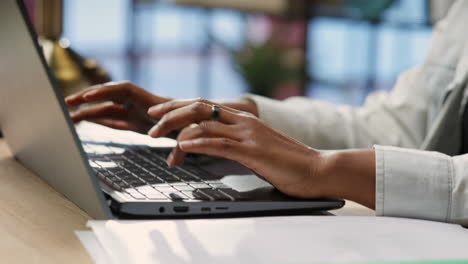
{"x": 115, "y": 178}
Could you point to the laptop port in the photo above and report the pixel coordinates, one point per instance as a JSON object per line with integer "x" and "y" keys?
{"x": 161, "y": 209}
{"x": 206, "y": 209}
{"x": 181, "y": 209}
{"x": 221, "y": 208}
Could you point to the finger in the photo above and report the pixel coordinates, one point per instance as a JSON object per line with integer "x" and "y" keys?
{"x": 77, "y": 98}
{"x": 187, "y": 115}
{"x": 101, "y": 111}
{"x": 220, "y": 147}
{"x": 204, "y": 129}
{"x": 117, "y": 92}
{"x": 160, "y": 110}
{"x": 176, "y": 157}
{"x": 117, "y": 124}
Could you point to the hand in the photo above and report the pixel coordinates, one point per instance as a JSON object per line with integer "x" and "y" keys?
{"x": 124, "y": 105}
{"x": 288, "y": 164}
{"x": 292, "y": 167}
{"x": 121, "y": 105}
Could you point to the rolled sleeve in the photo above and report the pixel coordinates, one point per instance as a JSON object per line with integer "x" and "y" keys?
{"x": 414, "y": 184}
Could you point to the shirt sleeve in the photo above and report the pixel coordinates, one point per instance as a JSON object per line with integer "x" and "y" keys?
{"x": 421, "y": 184}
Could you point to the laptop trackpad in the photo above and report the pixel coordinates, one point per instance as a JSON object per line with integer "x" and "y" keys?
{"x": 245, "y": 183}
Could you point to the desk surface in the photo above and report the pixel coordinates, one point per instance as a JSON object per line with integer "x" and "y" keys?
{"x": 37, "y": 223}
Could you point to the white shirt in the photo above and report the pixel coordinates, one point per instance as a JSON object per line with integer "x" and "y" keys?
{"x": 422, "y": 112}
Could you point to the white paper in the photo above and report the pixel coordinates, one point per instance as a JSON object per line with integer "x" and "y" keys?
{"x": 281, "y": 240}
{"x": 94, "y": 248}
{"x": 93, "y": 132}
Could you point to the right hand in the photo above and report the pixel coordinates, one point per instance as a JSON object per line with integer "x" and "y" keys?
{"x": 120, "y": 105}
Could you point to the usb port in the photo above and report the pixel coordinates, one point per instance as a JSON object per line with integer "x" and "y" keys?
{"x": 181, "y": 209}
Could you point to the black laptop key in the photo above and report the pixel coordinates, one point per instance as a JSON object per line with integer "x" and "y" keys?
{"x": 190, "y": 195}
{"x": 116, "y": 170}
{"x": 167, "y": 176}
{"x": 215, "y": 194}
{"x": 154, "y": 169}
{"x": 235, "y": 195}
{"x": 159, "y": 161}
{"x": 198, "y": 195}
{"x": 192, "y": 169}
{"x": 124, "y": 174}
{"x": 100, "y": 175}
{"x": 185, "y": 176}
{"x": 200, "y": 173}
{"x": 177, "y": 196}
{"x": 115, "y": 158}
{"x": 128, "y": 177}
{"x": 153, "y": 180}
{"x": 145, "y": 176}
{"x": 159, "y": 173}
{"x": 112, "y": 179}
{"x": 120, "y": 186}
{"x": 171, "y": 179}
{"x": 135, "y": 182}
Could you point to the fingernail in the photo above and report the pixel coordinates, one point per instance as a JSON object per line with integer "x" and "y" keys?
{"x": 185, "y": 144}
{"x": 170, "y": 160}
{"x": 153, "y": 131}
{"x": 86, "y": 96}
{"x": 154, "y": 108}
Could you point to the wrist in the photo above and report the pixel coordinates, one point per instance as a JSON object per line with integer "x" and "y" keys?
{"x": 351, "y": 175}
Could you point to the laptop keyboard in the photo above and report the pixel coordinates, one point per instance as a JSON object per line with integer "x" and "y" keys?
{"x": 142, "y": 173}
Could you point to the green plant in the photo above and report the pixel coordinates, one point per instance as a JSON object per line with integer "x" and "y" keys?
{"x": 264, "y": 67}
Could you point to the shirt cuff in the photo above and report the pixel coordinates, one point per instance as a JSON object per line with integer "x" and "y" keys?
{"x": 413, "y": 183}
{"x": 267, "y": 107}
{"x": 280, "y": 115}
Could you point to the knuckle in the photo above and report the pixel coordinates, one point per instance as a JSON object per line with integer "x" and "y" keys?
{"x": 168, "y": 106}
{"x": 165, "y": 121}
{"x": 251, "y": 144}
{"x": 226, "y": 144}
{"x": 250, "y": 134}
{"x": 201, "y": 100}
{"x": 126, "y": 86}
{"x": 188, "y": 132}
{"x": 251, "y": 118}
{"x": 126, "y": 83}
{"x": 197, "y": 107}
{"x": 205, "y": 127}
{"x": 183, "y": 135}
{"x": 114, "y": 107}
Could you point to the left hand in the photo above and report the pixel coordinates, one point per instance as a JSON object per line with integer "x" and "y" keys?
{"x": 291, "y": 166}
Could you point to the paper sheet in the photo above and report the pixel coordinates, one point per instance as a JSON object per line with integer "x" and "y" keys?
{"x": 88, "y": 131}
{"x": 281, "y": 240}
{"x": 94, "y": 248}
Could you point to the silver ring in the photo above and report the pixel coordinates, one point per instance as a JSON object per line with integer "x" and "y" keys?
{"x": 215, "y": 112}
{"x": 127, "y": 105}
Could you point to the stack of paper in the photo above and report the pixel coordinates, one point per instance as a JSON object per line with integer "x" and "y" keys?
{"x": 311, "y": 239}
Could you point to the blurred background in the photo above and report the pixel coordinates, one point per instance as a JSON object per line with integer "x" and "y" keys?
{"x": 335, "y": 50}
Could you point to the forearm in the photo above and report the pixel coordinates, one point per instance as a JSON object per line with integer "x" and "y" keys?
{"x": 352, "y": 175}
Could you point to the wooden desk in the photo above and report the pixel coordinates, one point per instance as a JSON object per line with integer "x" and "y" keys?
{"x": 37, "y": 223}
